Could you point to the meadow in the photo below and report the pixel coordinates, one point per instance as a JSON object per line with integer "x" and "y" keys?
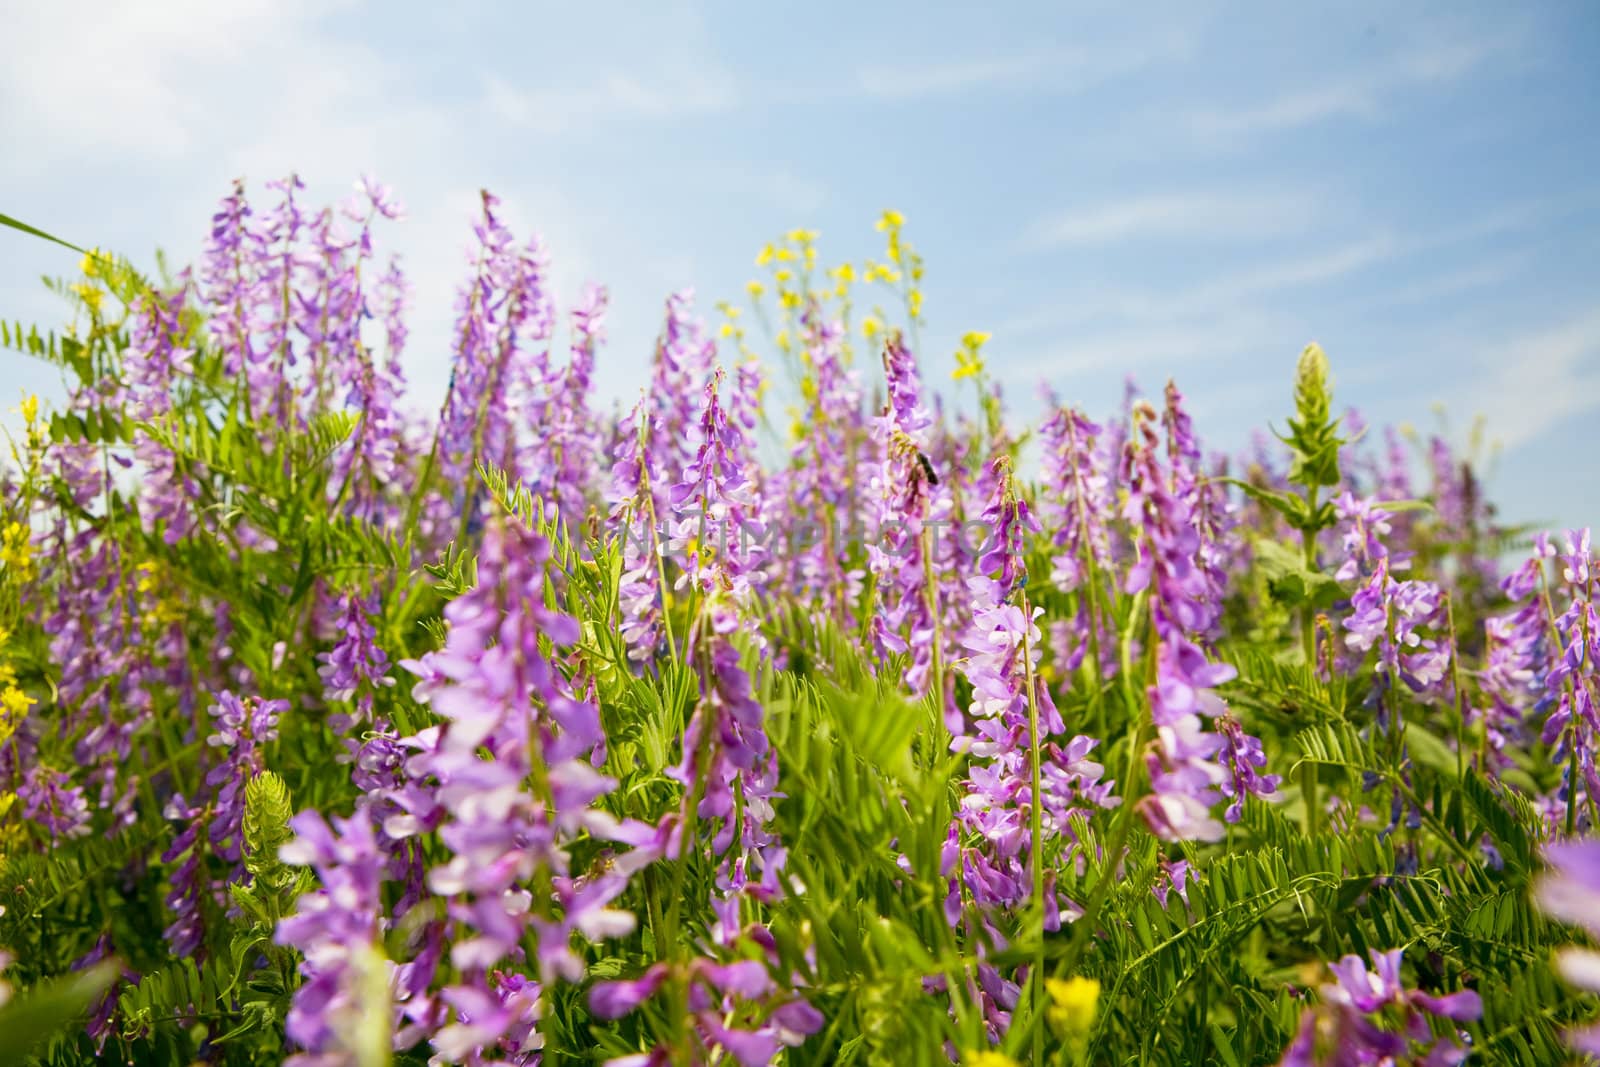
{"x": 803, "y": 709}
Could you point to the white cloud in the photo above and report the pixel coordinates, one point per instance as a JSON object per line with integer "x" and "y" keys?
{"x": 1208, "y": 336}
{"x": 1180, "y": 215}
{"x": 1065, "y": 68}
{"x": 108, "y": 79}
{"x": 1531, "y": 382}
{"x": 1293, "y": 273}
{"x": 188, "y": 95}
{"x": 1364, "y": 96}
{"x": 664, "y": 94}
{"x": 1477, "y": 276}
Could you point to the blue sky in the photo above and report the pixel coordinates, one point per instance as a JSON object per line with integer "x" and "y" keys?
{"x": 1194, "y": 190}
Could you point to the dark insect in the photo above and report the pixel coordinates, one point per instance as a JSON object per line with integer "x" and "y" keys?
{"x": 927, "y": 468}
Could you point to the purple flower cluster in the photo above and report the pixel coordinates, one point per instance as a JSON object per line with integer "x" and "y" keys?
{"x": 514, "y": 783}
{"x": 635, "y": 501}
{"x": 1570, "y": 892}
{"x": 243, "y": 727}
{"x": 1370, "y": 1017}
{"x": 1573, "y": 725}
{"x": 683, "y": 366}
{"x": 1367, "y": 526}
{"x": 504, "y": 319}
{"x": 53, "y": 803}
{"x": 1077, "y": 506}
{"x": 903, "y": 559}
{"x": 716, "y": 534}
{"x": 1403, "y": 620}
{"x": 1190, "y": 768}
{"x": 338, "y": 928}
{"x": 822, "y": 479}
{"x": 1517, "y": 653}
{"x": 735, "y": 1010}
{"x": 355, "y": 668}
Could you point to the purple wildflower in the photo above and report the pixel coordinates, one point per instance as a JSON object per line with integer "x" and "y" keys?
{"x": 1570, "y": 892}
{"x": 1185, "y": 776}
{"x": 355, "y": 666}
{"x": 51, "y": 802}
{"x": 242, "y": 728}
{"x": 1369, "y": 1016}
{"x": 716, "y": 536}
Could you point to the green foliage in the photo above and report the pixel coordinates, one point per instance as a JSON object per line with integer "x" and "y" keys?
{"x": 50, "y": 1009}
{"x": 1313, "y": 432}
{"x": 1423, "y": 851}
{"x": 267, "y": 810}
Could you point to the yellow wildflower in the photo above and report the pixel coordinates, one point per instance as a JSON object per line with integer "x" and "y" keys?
{"x": 89, "y": 295}
{"x": 756, "y": 289}
{"x": 784, "y": 276}
{"x": 764, "y": 256}
{"x": 1073, "y": 1003}
{"x": 16, "y": 551}
{"x": 29, "y": 409}
{"x": 91, "y": 263}
{"x": 791, "y": 299}
{"x": 988, "y": 1058}
{"x": 969, "y": 360}
{"x": 147, "y": 577}
{"x": 844, "y": 274}
{"x": 14, "y": 703}
{"x": 914, "y": 302}
{"x": 870, "y": 326}
{"x": 802, "y": 237}
{"x": 785, "y": 255}
{"x": 890, "y": 220}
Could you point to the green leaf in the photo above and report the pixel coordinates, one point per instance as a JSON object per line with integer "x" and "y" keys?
{"x": 18, "y": 224}
{"x": 1290, "y": 581}
{"x": 52, "y": 1007}
{"x": 1291, "y": 507}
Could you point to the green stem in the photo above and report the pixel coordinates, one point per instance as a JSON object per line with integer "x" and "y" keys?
{"x": 931, "y": 589}
{"x": 1084, "y": 927}
{"x": 1036, "y": 829}
{"x": 1455, "y": 684}
{"x": 1308, "y": 644}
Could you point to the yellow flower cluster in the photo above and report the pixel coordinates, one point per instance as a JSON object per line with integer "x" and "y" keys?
{"x": 163, "y": 609}
{"x": 988, "y": 1058}
{"x": 1073, "y": 1003}
{"x": 969, "y": 357}
{"x": 14, "y": 703}
{"x": 16, "y": 550}
{"x": 904, "y": 264}
{"x": 93, "y": 266}
{"x": 29, "y": 410}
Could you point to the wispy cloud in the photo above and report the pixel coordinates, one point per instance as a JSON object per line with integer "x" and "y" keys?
{"x": 1063, "y": 68}
{"x": 662, "y": 94}
{"x": 1295, "y": 272}
{"x": 1531, "y": 382}
{"x": 1214, "y": 300}
{"x": 1230, "y": 215}
{"x": 141, "y": 82}
{"x": 1362, "y": 96}
{"x": 1491, "y": 272}
{"x": 1143, "y": 345}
